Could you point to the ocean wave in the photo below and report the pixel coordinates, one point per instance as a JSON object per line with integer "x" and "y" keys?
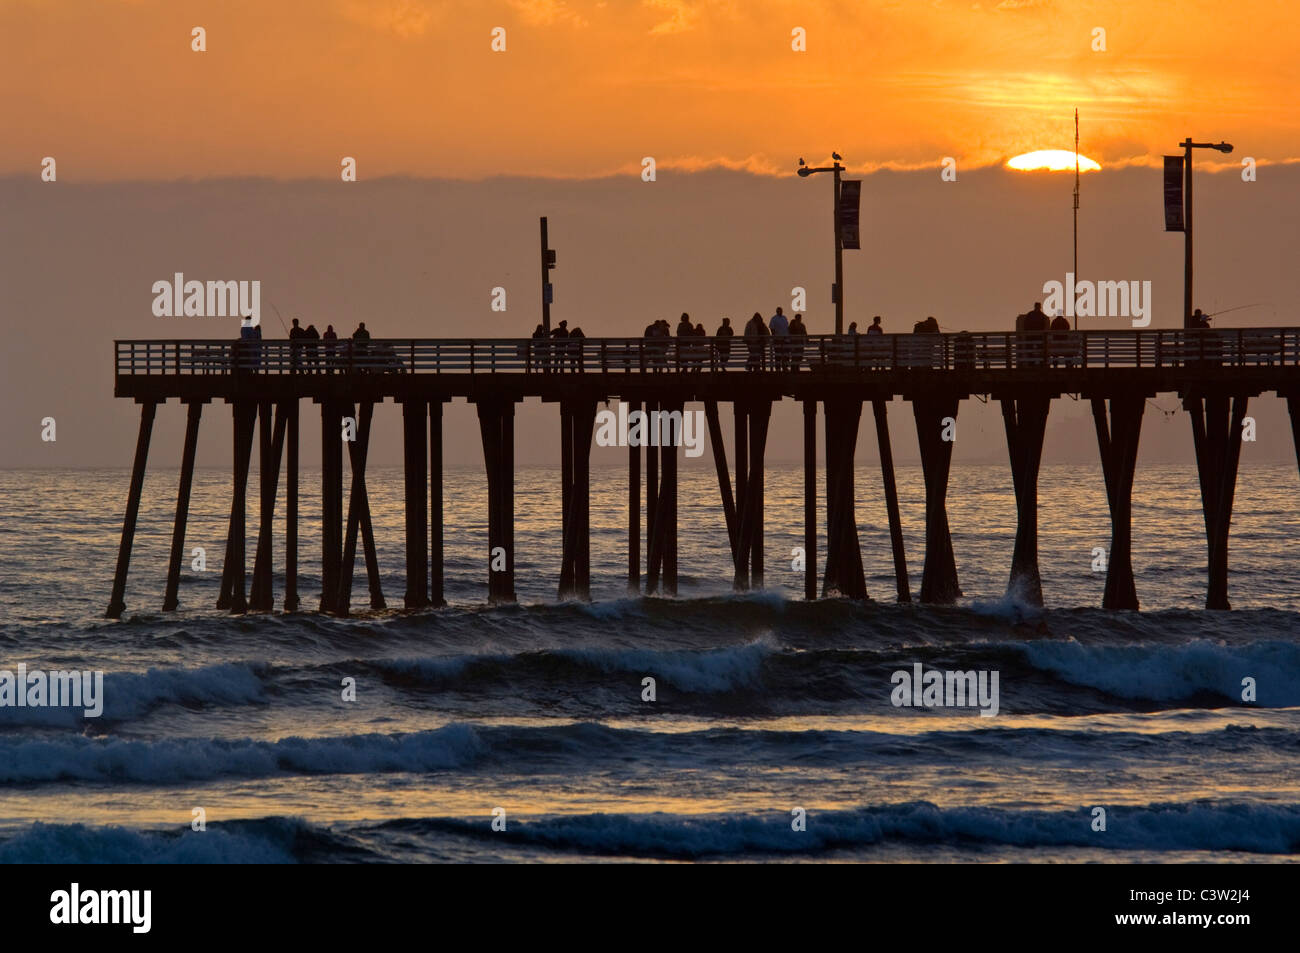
{"x": 708, "y": 671}
{"x": 1172, "y": 673}
{"x": 200, "y": 759}
{"x": 271, "y": 840}
{"x": 1271, "y": 830}
{"x": 1265, "y": 829}
{"x": 579, "y": 748}
{"x": 128, "y": 695}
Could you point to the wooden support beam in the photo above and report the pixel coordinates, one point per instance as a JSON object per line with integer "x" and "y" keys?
{"x": 507, "y": 489}
{"x": 759, "y": 417}
{"x": 724, "y": 474}
{"x": 1293, "y": 408}
{"x": 116, "y": 603}
{"x": 437, "y": 597}
{"x": 634, "y": 508}
{"x": 834, "y": 439}
{"x": 1216, "y": 434}
{"x": 809, "y": 498}
{"x": 417, "y": 501}
{"x": 291, "y": 602}
{"x": 331, "y": 416}
{"x": 668, "y": 493}
{"x": 891, "y": 501}
{"x": 358, "y": 518}
{"x": 496, "y": 424}
{"x": 260, "y": 563}
{"x": 844, "y": 572}
{"x": 245, "y": 414}
{"x": 651, "y": 504}
{"x": 194, "y": 410}
{"x": 1117, "y": 439}
{"x": 584, "y": 420}
{"x": 744, "y": 511}
{"x": 567, "y": 566}
{"x": 1025, "y": 421}
{"x": 577, "y": 417}
{"x": 939, "y": 576}
{"x": 272, "y": 446}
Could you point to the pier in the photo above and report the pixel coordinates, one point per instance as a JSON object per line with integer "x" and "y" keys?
{"x": 1215, "y": 373}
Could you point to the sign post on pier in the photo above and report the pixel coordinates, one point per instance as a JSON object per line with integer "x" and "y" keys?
{"x": 548, "y": 292}
{"x": 845, "y": 211}
{"x": 1170, "y": 169}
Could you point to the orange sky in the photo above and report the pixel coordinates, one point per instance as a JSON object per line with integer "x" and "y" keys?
{"x": 112, "y": 90}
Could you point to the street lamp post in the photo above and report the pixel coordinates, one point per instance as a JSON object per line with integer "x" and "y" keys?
{"x": 837, "y": 290}
{"x": 1188, "y": 146}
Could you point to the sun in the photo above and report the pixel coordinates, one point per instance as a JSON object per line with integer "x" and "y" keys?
{"x": 1051, "y": 160}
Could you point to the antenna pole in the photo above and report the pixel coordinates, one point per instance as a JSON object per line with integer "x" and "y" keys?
{"x": 1076, "y": 207}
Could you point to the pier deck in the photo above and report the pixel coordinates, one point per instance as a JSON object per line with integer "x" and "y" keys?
{"x": 1214, "y": 372}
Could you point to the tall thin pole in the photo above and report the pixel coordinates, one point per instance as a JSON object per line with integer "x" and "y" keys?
{"x": 548, "y": 262}
{"x": 839, "y": 258}
{"x": 1187, "y": 232}
{"x": 1076, "y": 208}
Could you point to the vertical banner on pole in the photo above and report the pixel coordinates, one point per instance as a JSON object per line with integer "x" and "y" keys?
{"x": 850, "y": 197}
{"x": 1173, "y": 193}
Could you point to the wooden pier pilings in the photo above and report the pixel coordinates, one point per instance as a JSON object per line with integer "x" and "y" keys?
{"x": 1217, "y": 439}
{"x": 844, "y": 574}
{"x": 497, "y": 426}
{"x": 936, "y": 416}
{"x": 1025, "y": 421}
{"x": 1115, "y": 371}
{"x": 1118, "y": 431}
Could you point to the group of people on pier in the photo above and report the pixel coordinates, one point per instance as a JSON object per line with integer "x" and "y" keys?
{"x": 553, "y": 350}
{"x": 310, "y": 351}
{"x": 776, "y": 344}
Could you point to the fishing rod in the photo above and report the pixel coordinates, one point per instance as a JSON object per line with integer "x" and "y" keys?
{"x": 280, "y": 319}
{"x": 1258, "y": 304}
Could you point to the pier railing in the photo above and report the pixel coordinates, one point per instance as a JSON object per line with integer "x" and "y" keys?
{"x": 1237, "y": 347}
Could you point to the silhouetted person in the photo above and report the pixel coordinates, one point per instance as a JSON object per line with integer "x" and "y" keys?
{"x": 250, "y": 349}
{"x": 359, "y": 344}
{"x": 1037, "y": 319}
{"x": 560, "y": 337}
{"x": 875, "y": 327}
{"x": 662, "y": 333}
{"x": 296, "y": 335}
{"x": 575, "y": 347}
{"x": 755, "y": 331}
{"x": 685, "y": 329}
{"x": 311, "y": 349}
{"x": 779, "y": 325}
{"x": 539, "y": 349}
{"x": 1060, "y": 341}
{"x": 1199, "y": 320}
{"x": 330, "y": 345}
{"x": 722, "y": 346}
{"x": 798, "y": 337}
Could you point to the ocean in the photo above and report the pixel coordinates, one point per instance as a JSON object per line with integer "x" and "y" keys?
{"x": 773, "y": 734}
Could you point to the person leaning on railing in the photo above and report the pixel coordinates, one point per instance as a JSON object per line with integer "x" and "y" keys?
{"x": 248, "y": 352}
{"x": 755, "y": 338}
{"x": 722, "y": 345}
{"x": 798, "y": 336}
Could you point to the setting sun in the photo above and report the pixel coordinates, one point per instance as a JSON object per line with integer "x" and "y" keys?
{"x": 1052, "y": 160}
